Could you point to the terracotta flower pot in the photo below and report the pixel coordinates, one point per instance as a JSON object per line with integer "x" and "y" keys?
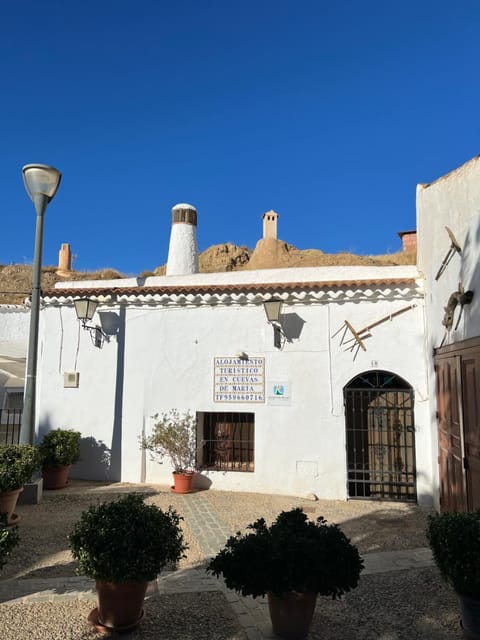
{"x": 55, "y": 477}
{"x": 183, "y": 482}
{"x": 119, "y": 605}
{"x": 8, "y": 502}
{"x": 292, "y": 614}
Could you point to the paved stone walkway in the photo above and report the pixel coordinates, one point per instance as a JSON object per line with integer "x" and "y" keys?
{"x": 210, "y": 532}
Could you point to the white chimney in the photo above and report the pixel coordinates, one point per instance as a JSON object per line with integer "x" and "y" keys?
{"x": 183, "y": 251}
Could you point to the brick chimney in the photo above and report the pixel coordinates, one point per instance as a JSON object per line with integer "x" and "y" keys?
{"x": 183, "y": 251}
{"x": 409, "y": 240}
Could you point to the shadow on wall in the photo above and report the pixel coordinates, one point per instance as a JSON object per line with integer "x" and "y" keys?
{"x": 94, "y": 461}
{"x": 292, "y": 325}
{"x": 470, "y": 275}
{"x": 95, "y": 456}
{"x": 44, "y": 427}
{"x": 110, "y": 322}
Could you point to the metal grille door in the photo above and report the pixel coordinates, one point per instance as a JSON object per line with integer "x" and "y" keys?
{"x": 380, "y": 437}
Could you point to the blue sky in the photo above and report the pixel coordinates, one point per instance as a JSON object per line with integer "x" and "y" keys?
{"x": 329, "y": 113}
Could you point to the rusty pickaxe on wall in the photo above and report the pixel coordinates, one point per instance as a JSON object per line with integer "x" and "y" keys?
{"x": 454, "y": 248}
{"x": 356, "y": 342}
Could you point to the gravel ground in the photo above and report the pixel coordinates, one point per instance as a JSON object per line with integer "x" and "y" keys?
{"x": 188, "y": 616}
{"x": 372, "y": 526}
{"x": 53, "y": 519}
{"x": 400, "y": 605}
{"x": 404, "y": 605}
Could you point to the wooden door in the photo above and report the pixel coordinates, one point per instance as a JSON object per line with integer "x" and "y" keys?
{"x": 453, "y": 495}
{"x": 457, "y": 368}
{"x": 471, "y": 422}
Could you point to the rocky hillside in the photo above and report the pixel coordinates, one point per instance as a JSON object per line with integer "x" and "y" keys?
{"x": 16, "y": 279}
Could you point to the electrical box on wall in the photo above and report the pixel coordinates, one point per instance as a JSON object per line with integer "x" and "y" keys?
{"x": 70, "y": 379}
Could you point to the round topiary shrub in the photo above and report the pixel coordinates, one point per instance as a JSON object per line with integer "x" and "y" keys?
{"x": 60, "y": 448}
{"x": 126, "y": 540}
{"x": 293, "y": 554}
{"x": 455, "y": 542}
{"x": 18, "y": 462}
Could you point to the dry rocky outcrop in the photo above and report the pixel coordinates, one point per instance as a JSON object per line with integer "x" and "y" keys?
{"x": 269, "y": 253}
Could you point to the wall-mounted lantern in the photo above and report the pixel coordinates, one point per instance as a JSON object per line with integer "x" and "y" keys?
{"x": 85, "y": 309}
{"x": 273, "y": 309}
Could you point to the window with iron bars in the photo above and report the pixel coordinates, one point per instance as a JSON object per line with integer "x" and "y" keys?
{"x": 228, "y": 441}
{"x": 10, "y": 421}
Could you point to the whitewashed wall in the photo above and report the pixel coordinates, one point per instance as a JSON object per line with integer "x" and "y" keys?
{"x": 162, "y": 358}
{"x": 14, "y": 324}
{"x": 454, "y": 201}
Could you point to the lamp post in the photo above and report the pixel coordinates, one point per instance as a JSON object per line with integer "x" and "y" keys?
{"x": 41, "y": 183}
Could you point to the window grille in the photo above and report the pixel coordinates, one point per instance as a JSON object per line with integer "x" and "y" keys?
{"x": 228, "y": 441}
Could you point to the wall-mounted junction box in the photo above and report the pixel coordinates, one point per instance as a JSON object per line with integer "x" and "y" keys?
{"x": 70, "y": 379}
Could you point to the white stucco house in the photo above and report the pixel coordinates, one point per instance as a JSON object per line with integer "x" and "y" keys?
{"x": 321, "y": 405}
{"x": 339, "y": 400}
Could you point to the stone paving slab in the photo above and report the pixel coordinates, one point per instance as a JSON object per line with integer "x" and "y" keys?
{"x": 188, "y": 580}
{"x": 397, "y": 560}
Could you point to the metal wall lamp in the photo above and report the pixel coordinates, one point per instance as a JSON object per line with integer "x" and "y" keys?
{"x": 85, "y": 309}
{"x": 273, "y": 309}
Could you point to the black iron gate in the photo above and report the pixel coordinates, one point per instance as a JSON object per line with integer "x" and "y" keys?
{"x": 380, "y": 437}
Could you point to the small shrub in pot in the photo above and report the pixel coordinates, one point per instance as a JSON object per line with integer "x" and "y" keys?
{"x": 291, "y": 558}
{"x": 60, "y": 448}
{"x": 18, "y": 462}
{"x": 123, "y": 545}
{"x": 455, "y": 542}
{"x": 174, "y": 437}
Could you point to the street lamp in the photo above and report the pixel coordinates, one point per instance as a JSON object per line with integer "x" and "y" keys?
{"x": 41, "y": 183}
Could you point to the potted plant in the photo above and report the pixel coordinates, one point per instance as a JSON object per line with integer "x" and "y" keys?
{"x": 18, "y": 462}
{"x": 8, "y": 539}
{"x": 454, "y": 539}
{"x": 123, "y": 545}
{"x": 291, "y": 561}
{"x": 59, "y": 449}
{"x": 174, "y": 436}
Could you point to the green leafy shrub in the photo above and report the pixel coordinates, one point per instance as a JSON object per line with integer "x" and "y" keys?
{"x": 9, "y": 539}
{"x": 60, "y": 448}
{"x": 173, "y": 436}
{"x": 126, "y": 540}
{"x": 18, "y": 462}
{"x": 293, "y": 554}
{"x": 455, "y": 542}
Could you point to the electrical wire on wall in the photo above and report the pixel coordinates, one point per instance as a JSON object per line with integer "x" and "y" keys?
{"x": 78, "y": 347}
{"x": 143, "y": 460}
{"x": 330, "y": 380}
{"x": 60, "y": 354}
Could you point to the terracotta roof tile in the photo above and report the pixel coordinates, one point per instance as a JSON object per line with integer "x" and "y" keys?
{"x": 227, "y": 288}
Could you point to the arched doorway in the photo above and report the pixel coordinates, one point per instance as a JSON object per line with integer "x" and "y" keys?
{"x": 380, "y": 437}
